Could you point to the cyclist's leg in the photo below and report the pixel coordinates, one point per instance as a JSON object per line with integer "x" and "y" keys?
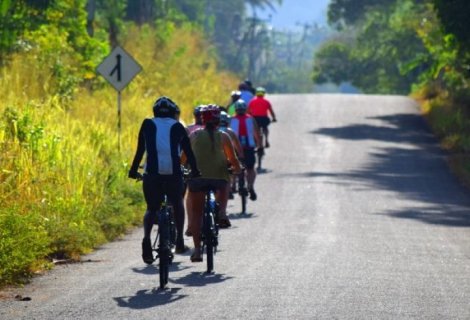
{"x": 222, "y": 199}
{"x": 197, "y": 197}
{"x": 174, "y": 193}
{"x": 250, "y": 161}
{"x": 153, "y": 196}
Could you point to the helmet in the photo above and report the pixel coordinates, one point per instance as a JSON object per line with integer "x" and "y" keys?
{"x": 224, "y": 119}
{"x": 164, "y": 107}
{"x": 260, "y": 91}
{"x": 243, "y": 87}
{"x": 248, "y": 83}
{"x": 197, "y": 110}
{"x": 240, "y": 106}
{"x": 210, "y": 114}
{"x": 235, "y": 95}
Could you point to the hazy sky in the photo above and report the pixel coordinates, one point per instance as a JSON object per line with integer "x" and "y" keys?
{"x": 293, "y": 11}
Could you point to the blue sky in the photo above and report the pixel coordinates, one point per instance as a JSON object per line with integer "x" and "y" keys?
{"x": 293, "y": 11}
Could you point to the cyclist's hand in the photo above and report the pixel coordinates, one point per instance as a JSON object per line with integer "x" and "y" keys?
{"x": 135, "y": 175}
{"x": 274, "y": 120}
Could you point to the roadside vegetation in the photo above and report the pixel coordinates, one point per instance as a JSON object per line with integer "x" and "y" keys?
{"x": 63, "y": 181}
{"x": 417, "y": 48}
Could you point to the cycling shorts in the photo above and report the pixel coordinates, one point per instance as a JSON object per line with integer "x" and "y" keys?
{"x": 203, "y": 184}
{"x": 250, "y": 159}
{"x": 263, "y": 122}
{"x": 157, "y": 186}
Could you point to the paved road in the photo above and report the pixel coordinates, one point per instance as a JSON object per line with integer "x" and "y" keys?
{"x": 358, "y": 217}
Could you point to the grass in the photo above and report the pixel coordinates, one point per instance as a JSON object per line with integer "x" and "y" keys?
{"x": 63, "y": 183}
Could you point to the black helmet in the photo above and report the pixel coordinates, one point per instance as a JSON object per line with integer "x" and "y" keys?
{"x": 164, "y": 107}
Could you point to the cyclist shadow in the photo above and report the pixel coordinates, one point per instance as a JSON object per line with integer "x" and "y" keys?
{"x": 263, "y": 170}
{"x": 145, "y": 299}
{"x": 198, "y": 279}
{"x": 153, "y": 269}
{"x": 238, "y": 216}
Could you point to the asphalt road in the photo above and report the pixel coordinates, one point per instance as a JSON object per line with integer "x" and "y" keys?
{"x": 358, "y": 217}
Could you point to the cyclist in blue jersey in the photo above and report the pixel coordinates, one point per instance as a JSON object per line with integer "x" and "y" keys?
{"x": 245, "y": 93}
{"x": 162, "y": 138}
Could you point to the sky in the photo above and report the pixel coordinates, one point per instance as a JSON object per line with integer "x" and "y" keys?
{"x": 292, "y": 12}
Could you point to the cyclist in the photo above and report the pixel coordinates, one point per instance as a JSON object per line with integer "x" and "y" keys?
{"x": 234, "y": 96}
{"x": 224, "y": 195}
{"x": 260, "y": 108}
{"x": 245, "y": 93}
{"x": 161, "y": 138}
{"x": 250, "y": 86}
{"x": 197, "y": 124}
{"x": 212, "y": 149}
{"x": 248, "y": 133}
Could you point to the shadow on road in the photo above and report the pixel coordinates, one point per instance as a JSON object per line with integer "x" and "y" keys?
{"x": 200, "y": 279}
{"x": 153, "y": 269}
{"x": 145, "y": 299}
{"x": 417, "y": 171}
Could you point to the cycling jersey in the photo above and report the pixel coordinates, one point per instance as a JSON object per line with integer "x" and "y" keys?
{"x": 246, "y": 96}
{"x": 210, "y": 154}
{"x": 259, "y": 107}
{"x": 193, "y": 127}
{"x": 162, "y": 139}
{"x": 244, "y": 127}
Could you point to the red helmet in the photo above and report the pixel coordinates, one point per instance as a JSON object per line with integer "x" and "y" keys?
{"x": 210, "y": 114}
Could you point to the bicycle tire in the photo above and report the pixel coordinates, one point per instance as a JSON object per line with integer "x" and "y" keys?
{"x": 260, "y": 154}
{"x": 209, "y": 236}
{"x": 164, "y": 248}
{"x": 242, "y": 191}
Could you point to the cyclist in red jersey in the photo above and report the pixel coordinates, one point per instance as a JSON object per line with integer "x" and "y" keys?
{"x": 248, "y": 134}
{"x": 260, "y": 108}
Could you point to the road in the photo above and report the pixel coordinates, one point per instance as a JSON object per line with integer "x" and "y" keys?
{"x": 358, "y": 217}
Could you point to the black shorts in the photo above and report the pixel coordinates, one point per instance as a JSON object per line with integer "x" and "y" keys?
{"x": 157, "y": 186}
{"x": 263, "y": 122}
{"x": 203, "y": 184}
{"x": 249, "y": 160}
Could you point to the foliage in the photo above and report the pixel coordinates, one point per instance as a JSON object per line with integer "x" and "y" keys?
{"x": 63, "y": 183}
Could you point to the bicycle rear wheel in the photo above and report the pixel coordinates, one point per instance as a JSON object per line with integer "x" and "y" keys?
{"x": 242, "y": 191}
{"x": 209, "y": 238}
{"x": 164, "y": 247}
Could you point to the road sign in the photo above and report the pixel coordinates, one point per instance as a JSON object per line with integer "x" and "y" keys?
{"x": 119, "y": 68}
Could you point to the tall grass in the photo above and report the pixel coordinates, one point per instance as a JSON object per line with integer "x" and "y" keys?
{"x": 63, "y": 183}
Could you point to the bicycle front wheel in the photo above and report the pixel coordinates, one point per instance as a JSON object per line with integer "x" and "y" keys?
{"x": 164, "y": 267}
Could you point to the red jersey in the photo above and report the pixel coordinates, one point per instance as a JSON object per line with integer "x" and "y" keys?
{"x": 259, "y": 107}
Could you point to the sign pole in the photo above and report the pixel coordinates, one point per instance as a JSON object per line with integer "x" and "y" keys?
{"x": 119, "y": 120}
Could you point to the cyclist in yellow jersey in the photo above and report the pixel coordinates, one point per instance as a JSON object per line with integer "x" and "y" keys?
{"x": 212, "y": 149}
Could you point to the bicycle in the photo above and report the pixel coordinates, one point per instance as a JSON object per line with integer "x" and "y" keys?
{"x": 242, "y": 190}
{"x": 165, "y": 241}
{"x": 210, "y": 230}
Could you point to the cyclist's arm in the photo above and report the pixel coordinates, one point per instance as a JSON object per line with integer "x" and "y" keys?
{"x": 230, "y": 152}
{"x": 140, "y": 150}
{"x": 271, "y": 111}
{"x": 188, "y": 151}
{"x": 236, "y": 143}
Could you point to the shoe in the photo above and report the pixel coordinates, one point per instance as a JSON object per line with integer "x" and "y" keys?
{"x": 196, "y": 257}
{"x": 188, "y": 233}
{"x": 147, "y": 254}
{"x": 253, "y": 195}
{"x": 224, "y": 223}
{"x": 181, "y": 249}
{"x": 230, "y": 195}
{"x": 267, "y": 145}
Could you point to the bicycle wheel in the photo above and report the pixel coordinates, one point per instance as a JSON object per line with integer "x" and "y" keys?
{"x": 242, "y": 191}
{"x": 209, "y": 236}
{"x": 164, "y": 247}
{"x": 260, "y": 154}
